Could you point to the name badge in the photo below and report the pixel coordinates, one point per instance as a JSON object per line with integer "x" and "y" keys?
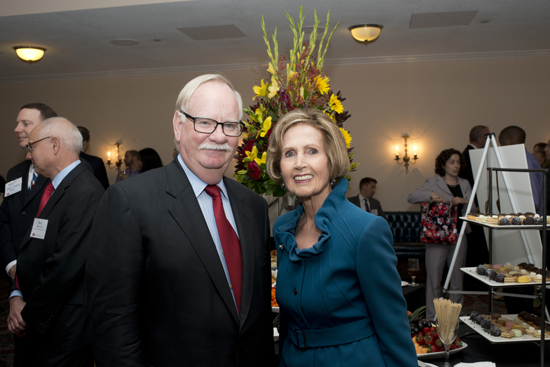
{"x": 374, "y": 211}
{"x": 39, "y": 228}
{"x": 13, "y": 187}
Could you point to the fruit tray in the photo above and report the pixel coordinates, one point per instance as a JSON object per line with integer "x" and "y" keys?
{"x": 498, "y": 339}
{"x": 441, "y": 354}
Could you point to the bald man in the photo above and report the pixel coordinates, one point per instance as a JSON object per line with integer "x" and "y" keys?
{"x": 48, "y": 299}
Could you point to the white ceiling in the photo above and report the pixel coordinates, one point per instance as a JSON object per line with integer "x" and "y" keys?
{"x": 77, "y": 34}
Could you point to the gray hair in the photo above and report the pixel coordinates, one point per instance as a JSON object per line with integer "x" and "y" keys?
{"x": 182, "y": 104}
{"x": 67, "y": 133}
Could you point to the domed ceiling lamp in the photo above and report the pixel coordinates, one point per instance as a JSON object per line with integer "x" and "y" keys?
{"x": 29, "y": 54}
{"x": 365, "y": 32}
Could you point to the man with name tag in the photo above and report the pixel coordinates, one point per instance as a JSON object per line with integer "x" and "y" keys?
{"x": 365, "y": 200}
{"x": 23, "y": 190}
{"x": 179, "y": 274}
{"x": 48, "y": 305}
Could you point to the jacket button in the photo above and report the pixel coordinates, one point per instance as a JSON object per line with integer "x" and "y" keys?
{"x": 295, "y": 291}
{"x": 23, "y": 213}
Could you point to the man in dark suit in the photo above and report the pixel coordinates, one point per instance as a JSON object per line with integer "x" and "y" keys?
{"x": 176, "y": 278}
{"x": 97, "y": 163}
{"x": 48, "y": 300}
{"x": 365, "y": 200}
{"x": 477, "y": 252}
{"x": 19, "y": 207}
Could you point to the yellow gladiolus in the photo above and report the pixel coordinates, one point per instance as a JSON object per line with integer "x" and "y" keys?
{"x": 271, "y": 70}
{"x": 273, "y": 89}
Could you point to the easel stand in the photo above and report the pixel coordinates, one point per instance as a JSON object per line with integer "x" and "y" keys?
{"x": 542, "y": 292}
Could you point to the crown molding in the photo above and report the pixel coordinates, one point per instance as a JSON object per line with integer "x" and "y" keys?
{"x": 346, "y": 61}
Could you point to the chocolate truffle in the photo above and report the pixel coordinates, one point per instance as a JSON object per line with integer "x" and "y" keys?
{"x": 529, "y": 221}
{"x": 516, "y": 221}
{"x": 500, "y": 278}
{"x": 481, "y": 270}
{"x": 504, "y": 222}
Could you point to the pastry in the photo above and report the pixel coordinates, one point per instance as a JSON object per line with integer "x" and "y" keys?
{"x": 488, "y": 266}
{"x": 516, "y": 221}
{"x": 472, "y": 216}
{"x": 481, "y": 270}
{"x": 492, "y": 220}
{"x": 495, "y": 316}
{"x": 509, "y": 324}
{"x": 495, "y": 332}
{"x": 524, "y": 279}
{"x": 510, "y": 279}
{"x": 504, "y": 222}
{"x": 499, "y": 278}
{"x": 497, "y": 266}
{"x": 507, "y": 334}
{"x": 530, "y": 331}
{"x": 529, "y": 221}
{"x": 517, "y": 333}
{"x": 537, "y": 278}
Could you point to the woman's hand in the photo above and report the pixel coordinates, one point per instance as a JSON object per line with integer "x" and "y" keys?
{"x": 435, "y": 196}
{"x": 458, "y": 200}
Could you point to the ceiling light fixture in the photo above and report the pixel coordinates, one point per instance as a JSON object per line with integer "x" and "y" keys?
{"x": 365, "y": 32}
{"x": 29, "y": 54}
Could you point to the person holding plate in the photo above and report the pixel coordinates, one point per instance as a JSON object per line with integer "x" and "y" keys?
{"x": 338, "y": 288}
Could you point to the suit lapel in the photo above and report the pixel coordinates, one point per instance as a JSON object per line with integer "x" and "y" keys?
{"x": 56, "y": 196}
{"x": 41, "y": 181}
{"x": 185, "y": 210}
{"x": 239, "y": 207}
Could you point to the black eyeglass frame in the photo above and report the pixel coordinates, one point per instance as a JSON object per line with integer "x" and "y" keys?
{"x": 29, "y": 145}
{"x": 194, "y": 119}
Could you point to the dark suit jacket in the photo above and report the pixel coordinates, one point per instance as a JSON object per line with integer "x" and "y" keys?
{"x": 158, "y": 290}
{"x": 467, "y": 172}
{"x": 374, "y": 204}
{"x": 18, "y": 212}
{"x": 50, "y": 271}
{"x": 98, "y": 168}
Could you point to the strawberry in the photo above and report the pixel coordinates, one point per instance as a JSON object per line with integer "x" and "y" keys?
{"x": 453, "y": 347}
{"x": 426, "y": 330}
{"x": 427, "y": 339}
{"x": 420, "y": 339}
{"x": 439, "y": 344}
{"x": 432, "y": 329}
{"x": 458, "y": 343}
{"x": 433, "y": 349}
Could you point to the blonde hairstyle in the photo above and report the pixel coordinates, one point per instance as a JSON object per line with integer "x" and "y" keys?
{"x": 333, "y": 141}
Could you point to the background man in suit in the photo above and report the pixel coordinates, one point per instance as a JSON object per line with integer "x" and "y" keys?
{"x": 477, "y": 246}
{"x": 19, "y": 208}
{"x": 365, "y": 200}
{"x": 48, "y": 301}
{"x": 97, "y": 163}
{"x": 177, "y": 278}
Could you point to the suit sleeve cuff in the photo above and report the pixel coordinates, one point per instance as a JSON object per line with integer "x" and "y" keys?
{"x": 8, "y": 267}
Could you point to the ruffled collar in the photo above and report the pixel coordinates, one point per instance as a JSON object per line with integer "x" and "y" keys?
{"x": 285, "y": 226}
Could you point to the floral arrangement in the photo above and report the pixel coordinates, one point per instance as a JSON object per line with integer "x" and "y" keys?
{"x": 297, "y": 82}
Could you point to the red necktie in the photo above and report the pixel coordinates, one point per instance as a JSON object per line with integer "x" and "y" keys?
{"x": 45, "y": 197}
{"x": 230, "y": 243}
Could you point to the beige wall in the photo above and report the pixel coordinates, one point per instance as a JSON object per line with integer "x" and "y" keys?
{"x": 436, "y": 103}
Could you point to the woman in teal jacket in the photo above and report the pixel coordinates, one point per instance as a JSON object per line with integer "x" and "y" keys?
{"x": 338, "y": 288}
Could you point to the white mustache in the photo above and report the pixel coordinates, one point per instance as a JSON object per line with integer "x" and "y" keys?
{"x": 211, "y": 146}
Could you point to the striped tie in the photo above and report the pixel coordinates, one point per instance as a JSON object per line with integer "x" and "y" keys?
{"x": 34, "y": 177}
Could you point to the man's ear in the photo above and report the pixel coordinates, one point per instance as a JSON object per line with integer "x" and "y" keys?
{"x": 178, "y": 125}
{"x": 55, "y": 143}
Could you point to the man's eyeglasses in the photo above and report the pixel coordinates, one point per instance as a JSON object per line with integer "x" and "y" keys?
{"x": 29, "y": 145}
{"x": 208, "y": 126}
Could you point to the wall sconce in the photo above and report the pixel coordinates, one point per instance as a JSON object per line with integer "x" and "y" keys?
{"x": 406, "y": 159}
{"x": 29, "y": 54}
{"x": 118, "y": 162}
{"x": 365, "y": 32}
